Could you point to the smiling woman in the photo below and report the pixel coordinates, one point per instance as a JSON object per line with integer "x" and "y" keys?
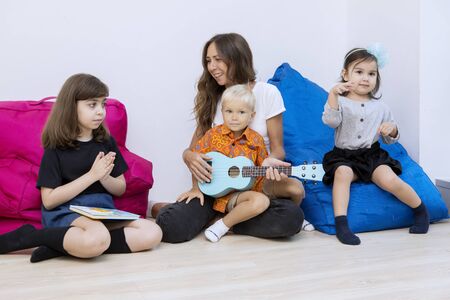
{"x": 216, "y": 66}
{"x": 227, "y": 60}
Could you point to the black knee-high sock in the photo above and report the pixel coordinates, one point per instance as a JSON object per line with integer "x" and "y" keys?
{"x": 29, "y": 237}
{"x": 421, "y": 219}
{"x": 118, "y": 242}
{"x": 343, "y": 232}
{"x": 12, "y": 241}
{"x": 43, "y": 253}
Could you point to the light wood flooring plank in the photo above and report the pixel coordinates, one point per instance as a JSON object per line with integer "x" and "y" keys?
{"x": 391, "y": 264}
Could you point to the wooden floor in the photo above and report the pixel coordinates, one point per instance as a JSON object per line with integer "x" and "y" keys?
{"x": 389, "y": 264}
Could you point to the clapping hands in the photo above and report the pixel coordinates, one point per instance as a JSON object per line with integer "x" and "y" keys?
{"x": 103, "y": 165}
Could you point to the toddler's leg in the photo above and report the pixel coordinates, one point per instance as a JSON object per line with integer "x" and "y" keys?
{"x": 343, "y": 177}
{"x": 421, "y": 220}
{"x": 343, "y": 232}
{"x": 248, "y": 205}
{"x": 385, "y": 178}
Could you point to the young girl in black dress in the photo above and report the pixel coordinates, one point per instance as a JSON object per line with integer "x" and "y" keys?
{"x": 81, "y": 165}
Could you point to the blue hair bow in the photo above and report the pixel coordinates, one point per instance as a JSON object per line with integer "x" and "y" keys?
{"x": 380, "y": 54}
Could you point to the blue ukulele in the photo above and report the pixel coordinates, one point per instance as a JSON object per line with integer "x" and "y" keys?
{"x": 239, "y": 173}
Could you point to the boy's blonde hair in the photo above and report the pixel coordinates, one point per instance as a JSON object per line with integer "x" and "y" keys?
{"x": 240, "y": 92}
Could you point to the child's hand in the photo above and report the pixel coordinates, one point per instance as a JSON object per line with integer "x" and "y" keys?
{"x": 272, "y": 173}
{"x": 342, "y": 87}
{"x": 191, "y": 194}
{"x": 103, "y": 165}
{"x": 388, "y": 128}
{"x": 110, "y": 158}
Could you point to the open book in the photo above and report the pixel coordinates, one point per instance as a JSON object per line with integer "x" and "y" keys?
{"x": 103, "y": 213}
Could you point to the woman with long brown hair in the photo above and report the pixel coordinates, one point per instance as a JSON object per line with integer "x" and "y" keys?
{"x": 227, "y": 60}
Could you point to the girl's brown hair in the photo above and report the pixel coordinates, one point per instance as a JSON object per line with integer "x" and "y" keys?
{"x": 359, "y": 55}
{"x": 61, "y": 129}
{"x": 236, "y": 53}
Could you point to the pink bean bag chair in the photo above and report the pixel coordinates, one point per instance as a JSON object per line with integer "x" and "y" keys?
{"x": 21, "y": 124}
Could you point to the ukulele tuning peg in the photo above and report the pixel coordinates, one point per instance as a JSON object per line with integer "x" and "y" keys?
{"x": 313, "y": 167}
{"x": 303, "y": 168}
{"x": 313, "y": 175}
{"x": 305, "y": 162}
{"x": 303, "y": 175}
{"x": 315, "y": 162}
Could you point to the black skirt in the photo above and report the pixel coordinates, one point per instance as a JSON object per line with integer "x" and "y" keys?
{"x": 362, "y": 161}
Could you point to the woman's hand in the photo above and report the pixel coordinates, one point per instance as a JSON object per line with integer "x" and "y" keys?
{"x": 103, "y": 165}
{"x": 191, "y": 194}
{"x": 272, "y": 173}
{"x": 388, "y": 128}
{"x": 197, "y": 164}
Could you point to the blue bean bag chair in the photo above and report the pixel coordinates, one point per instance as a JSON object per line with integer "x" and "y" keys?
{"x": 307, "y": 139}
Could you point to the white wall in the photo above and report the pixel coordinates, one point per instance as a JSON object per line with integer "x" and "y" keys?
{"x": 434, "y": 88}
{"x": 149, "y": 53}
{"x": 394, "y": 24}
{"x": 415, "y": 83}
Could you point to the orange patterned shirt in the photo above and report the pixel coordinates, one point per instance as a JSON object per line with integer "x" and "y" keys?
{"x": 221, "y": 139}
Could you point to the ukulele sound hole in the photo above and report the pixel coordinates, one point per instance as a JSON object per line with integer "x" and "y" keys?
{"x": 233, "y": 172}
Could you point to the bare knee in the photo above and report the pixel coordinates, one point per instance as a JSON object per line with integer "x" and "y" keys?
{"x": 150, "y": 235}
{"x": 259, "y": 202}
{"x": 343, "y": 174}
{"x": 94, "y": 242}
{"x": 296, "y": 191}
{"x": 391, "y": 183}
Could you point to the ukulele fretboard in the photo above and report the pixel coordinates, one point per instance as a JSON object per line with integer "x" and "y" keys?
{"x": 261, "y": 171}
